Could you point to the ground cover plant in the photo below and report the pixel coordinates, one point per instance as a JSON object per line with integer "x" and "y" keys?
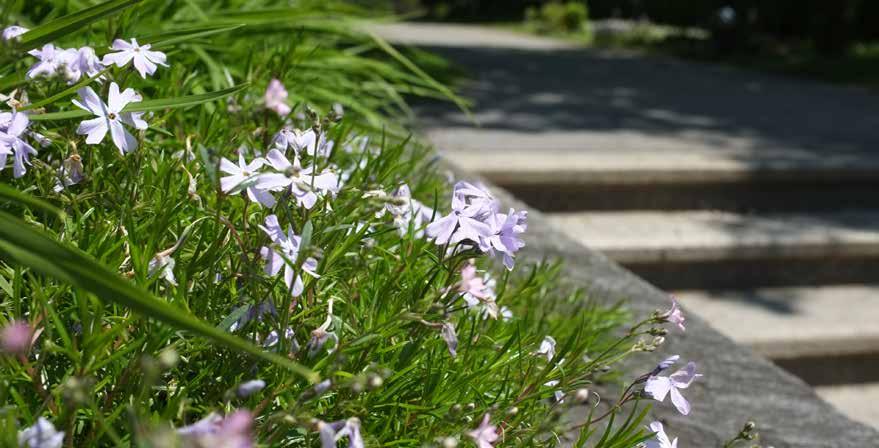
{"x": 213, "y": 234}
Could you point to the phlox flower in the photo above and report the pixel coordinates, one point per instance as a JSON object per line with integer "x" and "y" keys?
{"x": 69, "y": 173}
{"x": 296, "y": 140}
{"x": 69, "y": 63}
{"x": 41, "y": 435}
{"x": 163, "y": 266}
{"x": 243, "y": 173}
{"x": 110, "y": 117}
{"x": 331, "y": 433}
{"x": 249, "y": 388}
{"x": 675, "y": 315}
{"x": 660, "y": 439}
{"x": 145, "y": 61}
{"x": 660, "y": 386}
{"x": 276, "y": 98}
{"x": 504, "y": 239}
{"x": 13, "y": 143}
{"x": 304, "y": 185}
{"x": 450, "y": 337}
{"x": 49, "y": 61}
{"x": 547, "y": 348}
{"x": 407, "y": 211}
{"x": 13, "y": 31}
{"x": 486, "y": 434}
{"x": 283, "y": 253}
{"x": 232, "y": 431}
{"x": 477, "y": 290}
{"x": 16, "y": 337}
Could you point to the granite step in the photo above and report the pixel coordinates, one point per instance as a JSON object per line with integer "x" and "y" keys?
{"x": 857, "y": 401}
{"x": 815, "y": 333}
{"x": 570, "y": 179}
{"x": 711, "y": 250}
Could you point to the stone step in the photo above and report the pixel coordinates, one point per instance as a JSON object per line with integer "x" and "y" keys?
{"x": 710, "y": 250}
{"x": 825, "y": 335}
{"x": 857, "y": 401}
{"x": 668, "y": 179}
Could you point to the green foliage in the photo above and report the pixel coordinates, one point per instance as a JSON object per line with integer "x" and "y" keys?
{"x": 558, "y": 18}
{"x": 122, "y": 354}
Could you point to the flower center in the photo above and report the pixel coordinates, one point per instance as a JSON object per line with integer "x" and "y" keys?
{"x": 111, "y": 116}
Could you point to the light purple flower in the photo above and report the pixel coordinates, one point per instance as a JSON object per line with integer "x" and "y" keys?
{"x": 163, "y": 266}
{"x": 485, "y": 435}
{"x": 664, "y": 364}
{"x": 675, "y": 315}
{"x": 13, "y": 31}
{"x": 660, "y": 386}
{"x": 16, "y": 337}
{"x": 304, "y": 185}
{"x": 276, "y": 98}
{"x": 110, "y": 117}
{"x": 50, "y": 61}
{"x": 547, "y": 348}
{"x": 272, "y": 339}
{"x": 245, "y": 174}
{"x": 331, "y": 433}
{"x": 233, "y": 431}
{"x": 41, "y": 435}
{"x": 470, "y": 209}
{"x": 145, "y": 61}
{"x": 80, "y": 62}
{"x": 69, "y": 173}
{"x": 13, "y": 143}
{"x": 251, "y": 387}
{"x": 285, "y": 246}
{"x": 505, "y": 230}
{"x": 407, "y": 212}
{"x": 660, "y": 439}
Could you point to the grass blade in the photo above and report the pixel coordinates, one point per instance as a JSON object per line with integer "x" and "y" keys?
{"x": 148, "y": 105}
{"x": 25, "y": 245}
{"x": 72, "y": 22}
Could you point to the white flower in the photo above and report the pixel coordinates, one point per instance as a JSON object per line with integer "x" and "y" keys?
{"x": 302, "y": 182}
{"x": 145, "y": 61}
{"x": 41, "y": 435}
{"x": 12, "y": 32}
{"x": 295, "y": 139}
{"x": 11, "y": 142}
{"x": 110, "y": 117}
{"x": 245, "y": 172}
{"x": 163, "y": 265}
{"x": 660, "y": 439}
{"x": 547, "y": 348}
{"x": 77, "y": 63}
{"x": 285, "y": 251}
{"x": 660, "y": 386}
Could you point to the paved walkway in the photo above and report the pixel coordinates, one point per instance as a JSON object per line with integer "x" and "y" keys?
{"x": 639, "y": 147}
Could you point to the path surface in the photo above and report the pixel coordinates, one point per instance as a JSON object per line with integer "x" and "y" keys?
{"x": 751, "y": 196}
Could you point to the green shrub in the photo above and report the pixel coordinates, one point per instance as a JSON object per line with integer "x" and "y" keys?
{"x": 558, "y": 18}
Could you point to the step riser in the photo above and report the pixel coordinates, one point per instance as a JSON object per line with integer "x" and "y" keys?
{"x": 740, "y": 197}
{"x": 830, "y": 370}
{"x": 749, "y": 273}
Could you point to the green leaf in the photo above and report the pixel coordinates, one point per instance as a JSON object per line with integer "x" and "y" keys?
{"x": 11, "y": 194}
{"x": 25, "y": 245}
{"x": 70, "y": 23}
{"x": 148, "y": 105}
{"x": 179, "y": 36}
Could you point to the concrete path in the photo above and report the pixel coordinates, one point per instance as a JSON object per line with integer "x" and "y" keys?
{"x": 637, "y": 150}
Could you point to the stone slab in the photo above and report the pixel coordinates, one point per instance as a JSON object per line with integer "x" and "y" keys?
{"x": 784, "y": 323}
{"x": 708, "y": 236}
{"x": 858, "y": 401}
{"x": 738, "y": 386}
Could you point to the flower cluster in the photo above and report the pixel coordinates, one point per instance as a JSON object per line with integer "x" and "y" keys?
{"x": 475, "y": 219}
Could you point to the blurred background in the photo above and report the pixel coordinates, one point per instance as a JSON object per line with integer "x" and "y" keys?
{"x": 726, "y": 151}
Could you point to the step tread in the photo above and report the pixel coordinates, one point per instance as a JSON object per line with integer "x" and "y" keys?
{"x": 858, "y": 401}
{"x": 694, "y": 236}
{"x": 787, "y": 323}
{"x": 555, "y": 164}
